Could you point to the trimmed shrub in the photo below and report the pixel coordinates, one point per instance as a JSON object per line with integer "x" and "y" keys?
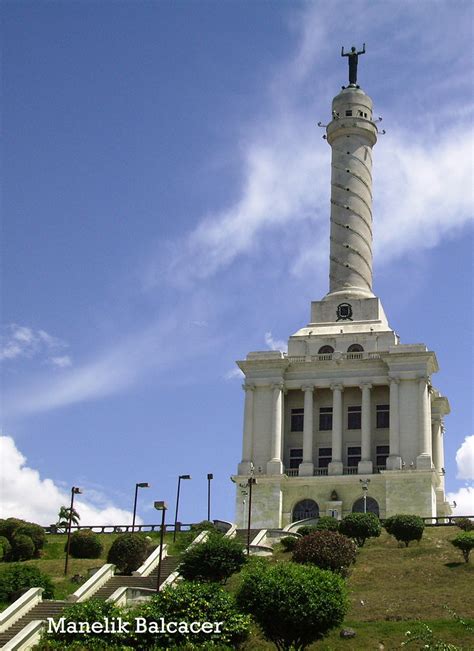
{"x": 405, "y": 528}
{"x": 193, "y": 602}
{"x": 465, "y": 524}
{"x": 8, "y": 527}
{"x": 465, "y": 542}
{"x": 23, "y": 548}
{"x": 204, "y": 525}
{"x": 360, "y": 526}
{"x": 128, "y": 552}
{"x": 327, "y": 523}
{"x": 92, "y": 610}
{"x": 5, "y": 549}
{"x": 85, "y": 544}
{"x": 288, "y": 543}
{"x": 329, "y": 550}
{"x": 306, "y": 529}
{"x": 17, "y": 577}
{"x": 33, "y": 531}
{"x": 294, "y": 605}
{"x": 213, "y": 560}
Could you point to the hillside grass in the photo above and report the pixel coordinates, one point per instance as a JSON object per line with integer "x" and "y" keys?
{"x": 392, "y": 589}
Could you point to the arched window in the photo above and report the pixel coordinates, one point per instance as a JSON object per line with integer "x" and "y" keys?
{"x": 372, "y": 506}
{"x": 325, "y": 350}
{"x": 305, "y": 509}
{"x": 355, "y": 348}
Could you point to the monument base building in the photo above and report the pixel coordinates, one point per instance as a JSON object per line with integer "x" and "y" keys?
{"x": 347, "y": 420}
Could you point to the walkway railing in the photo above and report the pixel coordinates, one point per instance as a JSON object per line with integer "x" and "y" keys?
{"x": 118, "y": 528}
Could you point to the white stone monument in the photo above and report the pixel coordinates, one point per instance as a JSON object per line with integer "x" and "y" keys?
{"x": 348, "y": 402}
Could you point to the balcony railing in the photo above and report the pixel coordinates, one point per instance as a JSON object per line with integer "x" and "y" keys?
{"x": 320, "y": 472}
{"x": 327, "y": 357}
{"x": 323, "y": 472}
{"x": 349, "y": 470}
{"x": 291, "y": 472}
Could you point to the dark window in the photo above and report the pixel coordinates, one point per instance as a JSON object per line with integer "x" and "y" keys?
{"x": 325, "y": 418}
{"x": 305, "y": 509}
{"x": 382, "y": 452}
{"x": 297, "y": 420}
{"x": 355, "y": 348}
{"x": 354, "y": 415}
{"x": 349, "y": 113}
{"x": 296, "y": 457}
{"x": 325, "y": 350}
{"x": 324, "y": 457}
{"x": 383, "y": 415}
{"x": 369, "y": 505}
{"x": 353, "y": 456}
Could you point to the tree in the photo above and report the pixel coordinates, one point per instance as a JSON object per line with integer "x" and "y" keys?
{"x": 405, "y": 528}
{"x": 216, "y": 559}
{"x": 293, "y": 604}
{"x": 360, "y": 526}
{"x": 63, "y": 517}
{"x": 464, "y": 542}
{"x": 128, "y": 552}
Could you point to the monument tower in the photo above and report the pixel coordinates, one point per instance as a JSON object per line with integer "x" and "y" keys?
{"x": 348, "y": 406}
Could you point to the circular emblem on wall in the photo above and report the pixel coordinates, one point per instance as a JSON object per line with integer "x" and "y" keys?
{"x": 344, "y": 312}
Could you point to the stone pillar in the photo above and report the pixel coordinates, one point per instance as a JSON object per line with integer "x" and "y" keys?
{"x": 423, "y": 460}
{"x": 335, "y": 466}
{"x": 275, "y": 465}
{"x": 365, "y": 465}
{"x": 394, "y": 461}
{"x": 247, "y": 444}
{"x": 437, "y": 443}
{"x": 306, "y": 468}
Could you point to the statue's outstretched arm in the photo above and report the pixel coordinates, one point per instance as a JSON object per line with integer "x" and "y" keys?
{"x": 342, "y": 52}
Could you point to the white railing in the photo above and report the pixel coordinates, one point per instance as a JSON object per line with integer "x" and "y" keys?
{"x": 27, "y": 638}
{"x": 20, "y": 607}
{"x": 354, "y": 355}
{"x": 327, "y": 357}
{"x": 90, "y": 587}
{"x": 291, "y": 472}
{"x": 350, "y": 470}
{"x": 151, "y": 562}
{"x": 319, "y": 472}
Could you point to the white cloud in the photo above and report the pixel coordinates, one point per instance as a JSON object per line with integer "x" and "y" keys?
{"x": 275, "y": 344}
{"x": 25, "y": 342}
{"x": 465, "y": 459}
{"x": 234, "y": 374}
{"x": 26, "y": 495}
{"x": 464, "y": 499}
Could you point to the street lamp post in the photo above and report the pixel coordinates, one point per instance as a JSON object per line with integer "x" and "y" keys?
{"x": 160, "y": 506}
{"x": 177, "y": 503}
{"x": 142, "y": 484}
{"x": 365, "y": 487}
{"x": 74, "y": 491}
{"x": 251, "y": 482}
{"x": 209, "y": 477}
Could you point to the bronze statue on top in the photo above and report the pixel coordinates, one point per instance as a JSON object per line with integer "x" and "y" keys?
{"x": 353, "y": 57}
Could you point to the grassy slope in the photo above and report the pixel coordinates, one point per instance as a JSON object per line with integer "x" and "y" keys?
{"x": 399, "y": 586}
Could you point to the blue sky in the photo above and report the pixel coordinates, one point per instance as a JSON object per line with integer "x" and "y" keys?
{"x": 166, "y": 210}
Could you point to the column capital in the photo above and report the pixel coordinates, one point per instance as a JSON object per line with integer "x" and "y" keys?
{"x": 437, "y": 418}
{"x": 365, "y": 385}
{"x": 248, "y": 387}
{"x": 278, "y": 385}
{"x": 394, "y": 379}
{"x": 337, "y": 387}
{"x": 307, "y": 387}
{"x": 423, "y": 378}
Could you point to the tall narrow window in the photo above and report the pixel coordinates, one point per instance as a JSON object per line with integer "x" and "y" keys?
{"x": 383, "y": 416}
{"x": 296, "y": 457}
{"x": 297, "y": 420}
{"x": 382, "y": 452}
{"x": 325, "y": 418}
{"x": 324, "y": 457}
{"x": 354, "y": 417}
{"x": 353, "y": 455}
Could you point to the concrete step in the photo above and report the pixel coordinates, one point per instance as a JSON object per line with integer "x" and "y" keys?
{"x": 241, "y": 534}
{"x": 40, "y": 611}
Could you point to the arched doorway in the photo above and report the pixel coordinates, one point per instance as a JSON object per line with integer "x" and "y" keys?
{"x": 372, "y": 506}
{"x": 305, "y": 509}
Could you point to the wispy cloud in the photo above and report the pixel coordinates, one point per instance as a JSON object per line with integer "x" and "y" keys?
{"x": 464, "y": 497}
{"x": 44, "y": 496}
{"x": 275, "y": 344}
{"x": 234, "y": 374}
{"x": 23, "y": 342}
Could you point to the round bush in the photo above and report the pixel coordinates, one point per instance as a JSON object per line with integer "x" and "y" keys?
{"x": 8, "y": 527}
{"x": 360, "y": 526}
{"x": 288, "y": 543}
{"x": 23, "y": 548}
{"x": 405, "y": 528}
{"x": 294, "y": 605}
{"x": 85, "y": 544}
{"x": 306, "y": 529}
{"x": 465, "y": 524}
{"x": 327, "y": 523}
{"x": 5, "y": 548}
{"x": 128, "y": 552}
{"x": 194, "y": 602}
{"x": 213, "y": 560}
{"x": 465, "y": 542}
{"x": 17, "y": 577}
{"x": 329, "y": 550}
{"x": 35, "y": 532}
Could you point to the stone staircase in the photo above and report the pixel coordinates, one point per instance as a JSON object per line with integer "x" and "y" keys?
{"x": 47, "y": 609}
{"x": 42, "y": 610}
{"x": 241, "y": 535}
